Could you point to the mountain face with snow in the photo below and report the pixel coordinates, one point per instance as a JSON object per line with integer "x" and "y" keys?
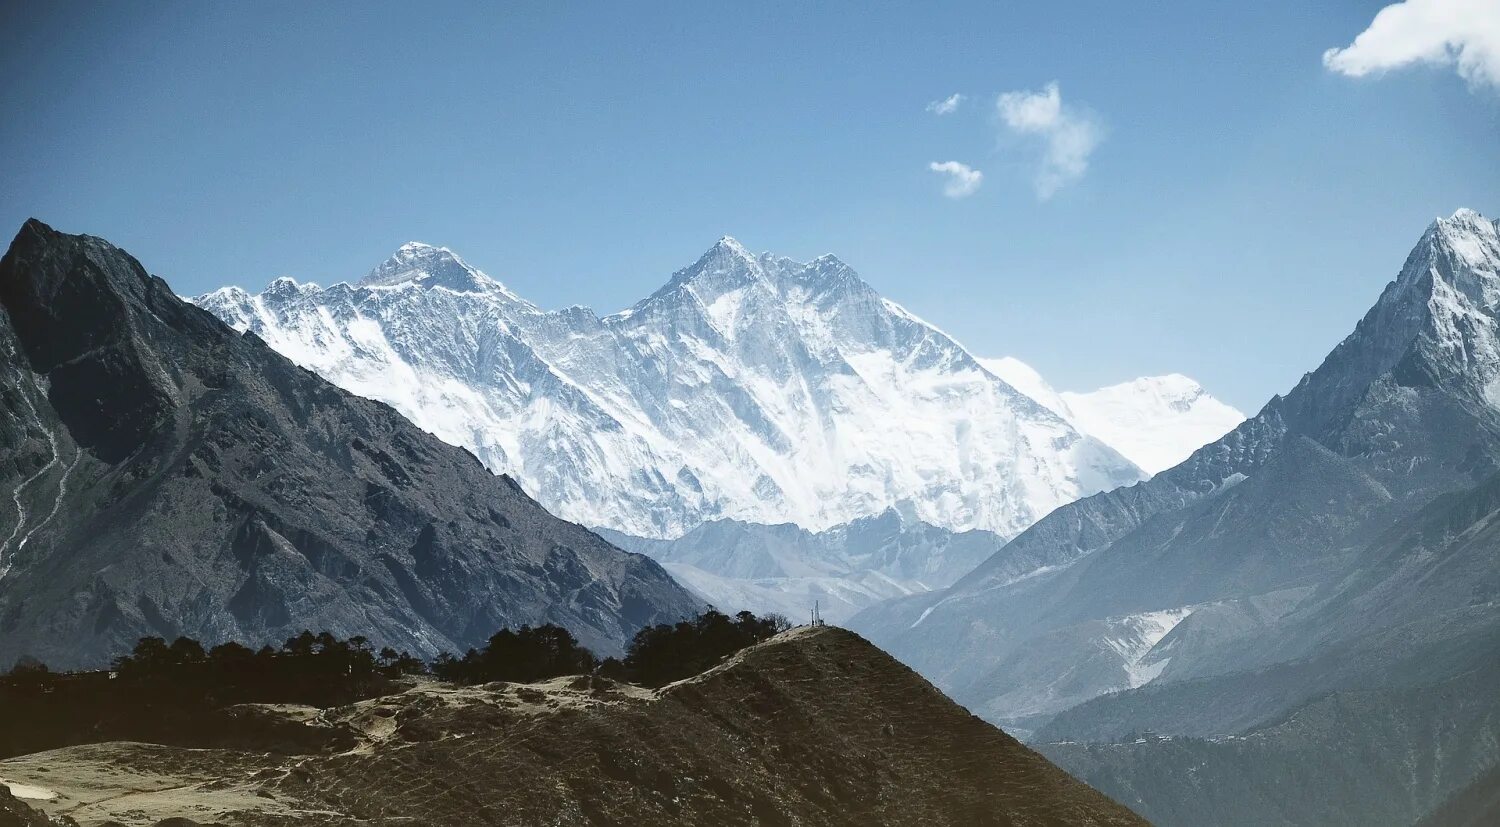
{"x": 750, "y": 387}
{"x": 1154, "y": 421}
{"x": 1339, "y": 540}
{"x": 164, "y": 476}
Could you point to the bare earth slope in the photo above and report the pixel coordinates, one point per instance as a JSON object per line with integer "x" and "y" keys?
{"x": 813, "y": 727}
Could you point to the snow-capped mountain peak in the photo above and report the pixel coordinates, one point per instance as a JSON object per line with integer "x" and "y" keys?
{"x": 429, "y": 266}
{"x": 1472, "y": 242}
{"x": 288, "y": 286}
{"x": 1155, "y": 421}
{"x": 724, "y": 267}
{"x": 755, "y": 388}
{"x": 826, "y": 273}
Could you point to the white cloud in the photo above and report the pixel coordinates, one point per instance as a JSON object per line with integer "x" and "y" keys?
{"x": 946, "y": 106}
{"x": 1068, "y": 136}
{"x": 963, "y": 180}
{"x": 1461, "y": 33}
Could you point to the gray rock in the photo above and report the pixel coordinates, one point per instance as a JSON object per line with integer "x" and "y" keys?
{"x": 164, "y": 475}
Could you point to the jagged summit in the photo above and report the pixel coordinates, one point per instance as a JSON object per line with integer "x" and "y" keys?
{"x": 1436, "y": 319}
{"x": 288, "y": 286}
{"x": 825, "y": 272}
{"x": 1464, "y": 215}
{"x": 1467, "y": 236}
{"x": 1464, "y": 241}
{"x": 728, "y": 266}
{"x": 1403, "y": 414}
{"x": 730, "y": 244}
{"x": 725, "y": 266}
{"x": 430, "y": 266}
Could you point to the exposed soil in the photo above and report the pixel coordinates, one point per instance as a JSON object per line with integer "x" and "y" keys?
{"x": 813, "y": 727}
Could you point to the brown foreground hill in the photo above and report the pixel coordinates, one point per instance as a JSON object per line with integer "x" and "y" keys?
{"x": 813, "y": 727}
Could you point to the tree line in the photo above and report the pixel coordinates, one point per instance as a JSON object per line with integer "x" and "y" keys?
{"x": 656, "y": 656}
{"x": 323, "y": 669}
{"x": 180, "y": 692}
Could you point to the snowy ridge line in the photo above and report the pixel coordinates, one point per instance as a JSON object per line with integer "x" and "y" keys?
{"x": 752, "y": 388}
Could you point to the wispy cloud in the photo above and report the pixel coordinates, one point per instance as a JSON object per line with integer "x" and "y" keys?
{"x": 1460, "y": 33}
{"x": 1068, "y": 136}
{"x": 946, "y": 106}
{"x": 962, "y": 179}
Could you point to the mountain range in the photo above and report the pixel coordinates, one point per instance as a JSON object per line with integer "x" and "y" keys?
{"x": 1261, "y": 628}
{"x": 164, "y": 475}
{"x": 1340, "y": 540}
{"x": 751, "y": 388}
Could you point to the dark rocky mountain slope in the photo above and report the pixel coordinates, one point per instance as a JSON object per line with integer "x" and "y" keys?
{"x": 813, "y": 727}
{"x": 163, "y": 475}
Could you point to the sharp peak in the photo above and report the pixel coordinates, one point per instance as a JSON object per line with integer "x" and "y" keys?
{"x": 286, "y": 285}
{"x": 828, "y": 262}
{"x": 418, "y": 261}
{"x": 731, "y": 245}
{"x": 1462, "y": 215}
{"x": 1463, "y": 221}
{"x": 423, "y": 248}
{"x": 1466, "y": 237}
{"x": 727, "y": 245}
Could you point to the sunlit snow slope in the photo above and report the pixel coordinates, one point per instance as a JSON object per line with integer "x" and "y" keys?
{"x": 1155, "y": 421}
{"x": 749, "y": 387}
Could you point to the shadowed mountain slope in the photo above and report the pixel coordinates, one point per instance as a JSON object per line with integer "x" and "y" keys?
{"x": 163, "y": 475}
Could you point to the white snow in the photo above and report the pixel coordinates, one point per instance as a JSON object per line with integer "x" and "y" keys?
{"x": 753, "y": 388}
{"x": 1155, "y": 421}
{"x": 1134, "y": 636}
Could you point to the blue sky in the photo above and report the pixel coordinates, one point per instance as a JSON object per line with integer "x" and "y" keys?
{"x": 1241, "y": 204}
